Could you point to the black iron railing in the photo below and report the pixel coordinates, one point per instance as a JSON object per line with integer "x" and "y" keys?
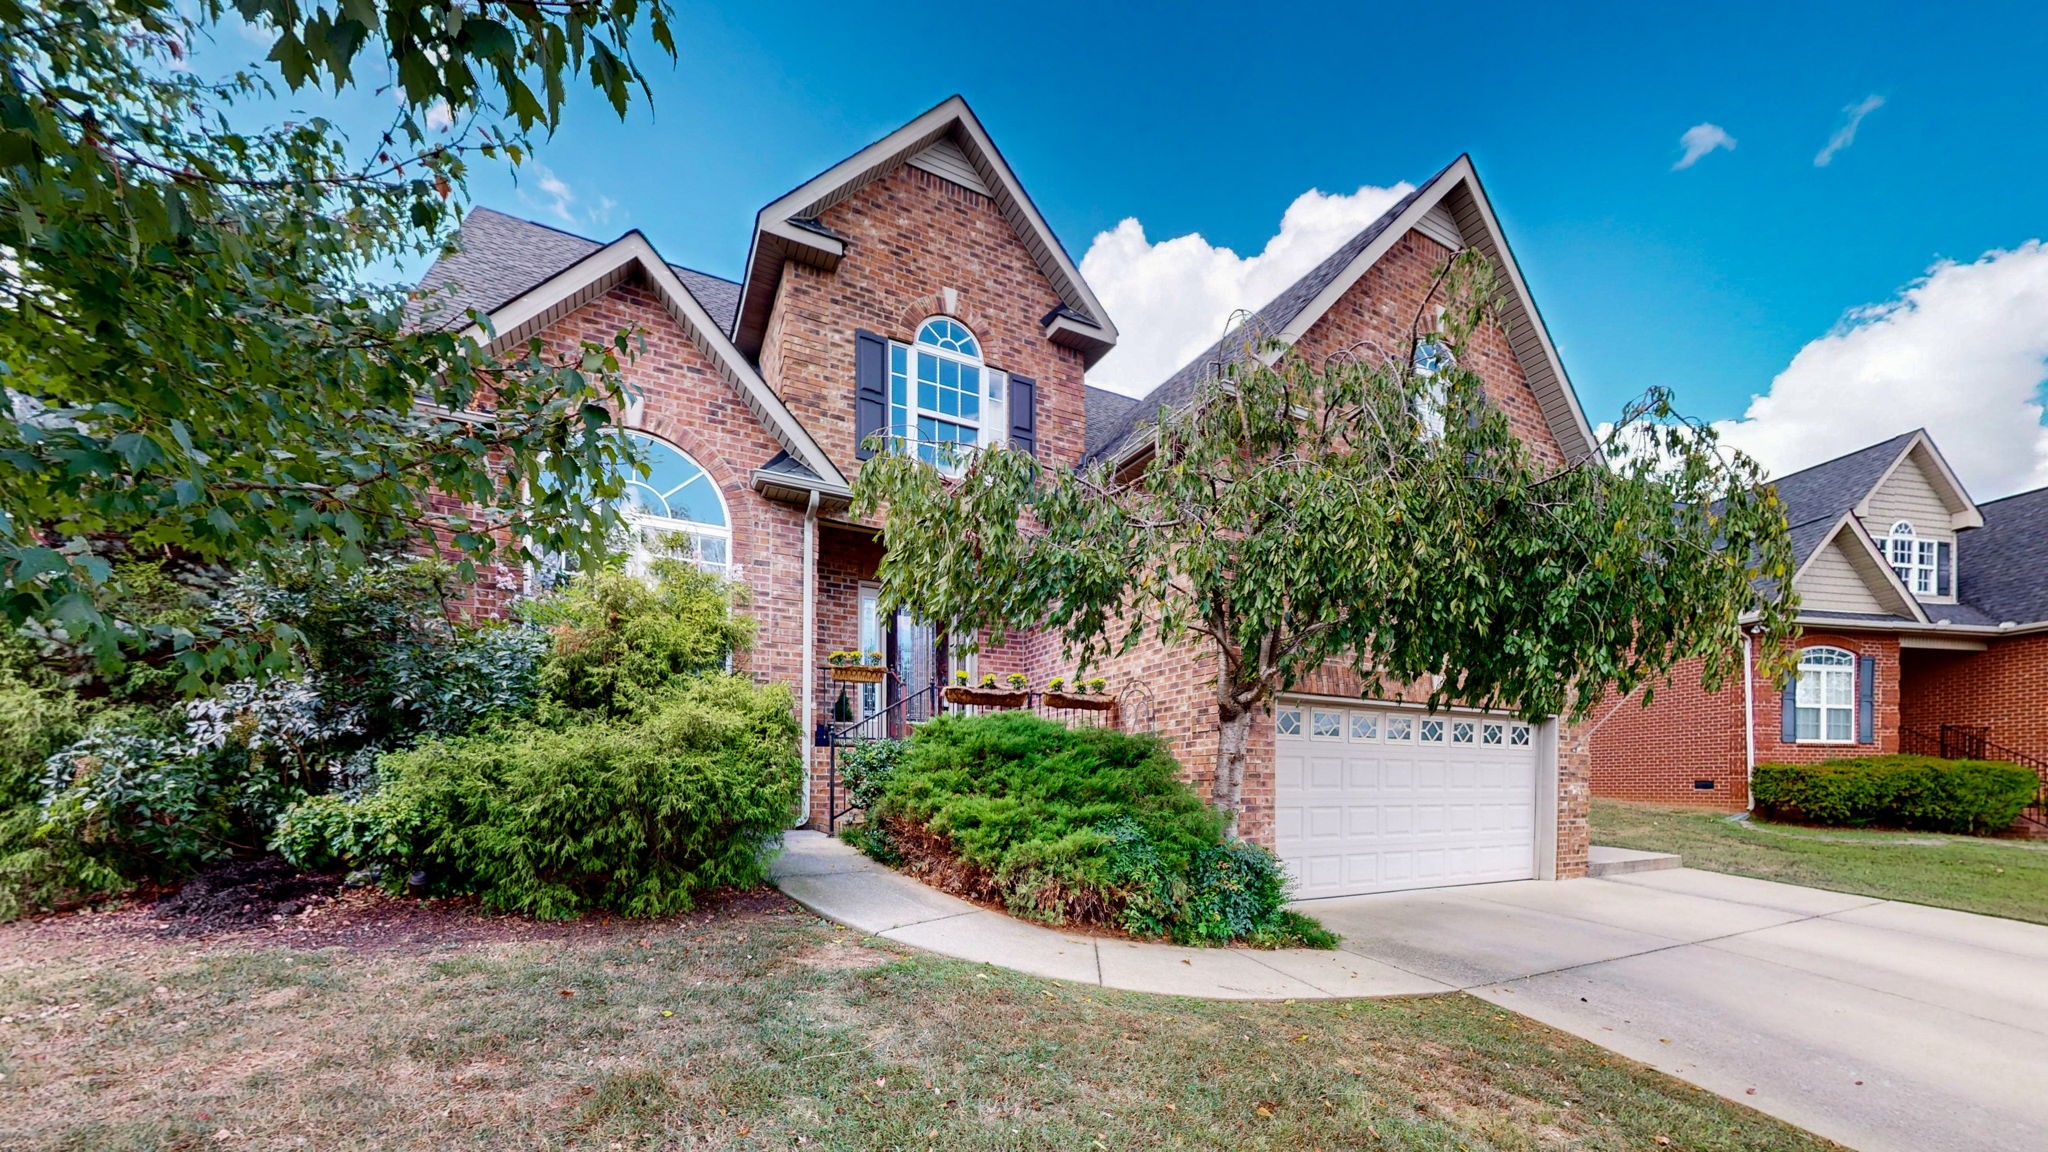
{"x": 1974, "y": 742}
{"x": 1132, "y": 712}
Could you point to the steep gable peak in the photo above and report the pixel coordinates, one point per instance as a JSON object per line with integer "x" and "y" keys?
{"x": 947, "y": 141}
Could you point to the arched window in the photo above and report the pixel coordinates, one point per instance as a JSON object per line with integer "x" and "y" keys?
{"x": 1912, "y": 558}
{"x": 1826, "y": 696}
{"x": 943, "y": 399}
{"x": 675, "y": 508}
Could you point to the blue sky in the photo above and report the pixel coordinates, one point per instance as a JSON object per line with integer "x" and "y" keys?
{"x": 1211, "y": 121}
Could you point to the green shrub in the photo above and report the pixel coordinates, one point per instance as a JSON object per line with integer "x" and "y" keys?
{"x": 39, "y": 871}
{"x": 864, "y": 770}
{"x": 1084, "y": 824}
{"x": 619, "y": 638}
{"x": 636, "y": 815}
{"x": 1899, "y": 791}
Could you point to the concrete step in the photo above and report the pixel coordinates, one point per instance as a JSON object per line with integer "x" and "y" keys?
{"x": 1622, "y": 861}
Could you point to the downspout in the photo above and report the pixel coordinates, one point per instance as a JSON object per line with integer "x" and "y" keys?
{"x": 1748, "y": 719}
{"x": 806, "y": 680}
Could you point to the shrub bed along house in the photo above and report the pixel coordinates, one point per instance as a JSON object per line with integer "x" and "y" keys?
{"x": 1066, "y": 825}
{"x": 1899, "y": 791}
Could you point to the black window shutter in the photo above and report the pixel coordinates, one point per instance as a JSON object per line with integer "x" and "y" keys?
{"x": 870, "y": 390}
{"x": 1943, "y": 561}
{"x": 1024, "y": 413}
{"x": 1788, "y": 720}
{"x": 1866, "y": 699}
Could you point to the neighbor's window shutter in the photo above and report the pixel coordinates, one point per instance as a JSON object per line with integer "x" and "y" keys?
{"x": 1788, "y": 720}
{"x": 870, "y": 390}
{"x": 1024, "y": 413}
{"x": 1944, "y": 557}
{"x": 1866, "y": 699}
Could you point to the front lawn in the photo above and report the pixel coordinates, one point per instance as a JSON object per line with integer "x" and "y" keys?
{"x": 369, "y": 1023}
{"x": 1970, "y": 873}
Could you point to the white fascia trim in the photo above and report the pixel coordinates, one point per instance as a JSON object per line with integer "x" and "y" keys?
{"x": 1884, "y": 566}
{"x": 1968, "y": 517}
{"x": 633, "y": 248}
{"x": 1459, "y": 172}
{"x": 953, "y": 112}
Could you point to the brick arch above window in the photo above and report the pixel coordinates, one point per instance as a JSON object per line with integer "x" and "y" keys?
{"x": 961, "y": 308}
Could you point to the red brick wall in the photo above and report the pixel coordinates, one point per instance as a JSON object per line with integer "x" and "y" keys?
{"x": 910, "y": 236}
{"x": 1686, "y": 734}
{"x": 2004, "y": 688}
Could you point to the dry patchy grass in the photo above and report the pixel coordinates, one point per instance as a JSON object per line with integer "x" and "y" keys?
{"x": 750, "y": 1025}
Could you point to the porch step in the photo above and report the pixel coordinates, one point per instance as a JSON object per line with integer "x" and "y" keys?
{"x": 1622, "y": 861}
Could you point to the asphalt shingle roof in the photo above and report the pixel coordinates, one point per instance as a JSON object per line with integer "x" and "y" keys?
{"x": 1822, "y": 493}
{"x": 2003, "y": 567}
{"x": 498, "y": 257}
{"x": 1178, "y": 389}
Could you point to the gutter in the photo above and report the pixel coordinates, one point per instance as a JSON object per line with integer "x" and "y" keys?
{"x": 1749, "y": 719}
{"x": 804, "y": 677}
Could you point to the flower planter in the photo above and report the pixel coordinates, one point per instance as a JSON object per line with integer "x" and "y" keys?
{"x": 859, "y": 673}
{"x": 1083, "y": 701}
{"x": 987, "y": 697}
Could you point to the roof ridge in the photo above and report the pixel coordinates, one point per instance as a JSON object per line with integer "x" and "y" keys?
{"x": 1982, "y": 504}
{"x": 476, "y": 208}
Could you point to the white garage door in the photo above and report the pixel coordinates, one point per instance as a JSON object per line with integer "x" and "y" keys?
{"x": 1380, "y": 799}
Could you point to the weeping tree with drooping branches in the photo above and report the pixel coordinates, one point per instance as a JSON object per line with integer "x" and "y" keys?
{"x": 1372, "y": 509}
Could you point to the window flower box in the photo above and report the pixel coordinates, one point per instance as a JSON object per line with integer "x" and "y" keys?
{"x": 859, "y": 673}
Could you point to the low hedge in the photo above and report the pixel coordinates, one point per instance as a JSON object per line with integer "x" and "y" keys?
{"x": 1080, "y": 825}
{"x": 634, "y": 815}
{"x": 1898, "y": 791}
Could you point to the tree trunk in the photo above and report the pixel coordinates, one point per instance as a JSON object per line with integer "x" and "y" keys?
{"x": 1233, "y": 750}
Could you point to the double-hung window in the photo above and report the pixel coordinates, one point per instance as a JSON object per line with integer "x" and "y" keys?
{"x": 1825, "y": 699}
{"x": 1913, "y": 558}
{"x": 944, "y": 401}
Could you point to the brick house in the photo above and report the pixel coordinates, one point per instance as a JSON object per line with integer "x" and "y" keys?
{"x": 914, "y": 288}
{"x": 1923, "y": 628}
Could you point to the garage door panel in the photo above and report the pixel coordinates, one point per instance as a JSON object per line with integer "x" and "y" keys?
{"x": 1378, "y": 799}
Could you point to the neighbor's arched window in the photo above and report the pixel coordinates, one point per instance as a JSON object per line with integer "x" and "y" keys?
{"x": 943, "y": 398}
{"x": 1826, "y": 697}
{"x": 675, "y": 509}
{"x": 1912, "y": 557}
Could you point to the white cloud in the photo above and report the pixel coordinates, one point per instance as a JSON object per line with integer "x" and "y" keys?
{"x": 1846, "y": 134}
{"x": 1173, "y": 298}
{"x": 557, "y": 199}
{"x": 440, "y": 117}
{"x": 1963, "y": 352}
{"x": 1699, "y": 140}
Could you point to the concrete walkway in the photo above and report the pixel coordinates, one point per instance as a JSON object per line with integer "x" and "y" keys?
{"x": 1887, "y": 1027}
{"x": 838, "y": 883}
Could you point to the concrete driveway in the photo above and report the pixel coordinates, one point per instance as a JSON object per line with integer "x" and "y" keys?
{"x": 1880, "y": 1025}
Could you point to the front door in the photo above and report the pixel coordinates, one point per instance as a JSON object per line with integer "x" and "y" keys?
{"x": 910, "y": 651}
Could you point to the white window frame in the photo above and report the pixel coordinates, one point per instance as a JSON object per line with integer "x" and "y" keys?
{"x": 991, "y": 422}
{"x": 1821, "y": 667}
{"x": 648, "y": 530}
{"x": 1914, "y": 558}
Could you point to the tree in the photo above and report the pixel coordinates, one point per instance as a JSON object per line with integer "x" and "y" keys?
{"x": 198, "y": 355}
{"x": 1375, "y": 510}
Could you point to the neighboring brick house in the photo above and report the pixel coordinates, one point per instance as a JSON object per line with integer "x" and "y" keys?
{"x": 1924, "y": 628}
{"x": 913, "y": 288}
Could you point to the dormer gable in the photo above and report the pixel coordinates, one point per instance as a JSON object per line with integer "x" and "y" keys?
{"x": 950, "y": 143}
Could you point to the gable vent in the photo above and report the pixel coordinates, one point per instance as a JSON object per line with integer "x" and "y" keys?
{"x": 946, "y": 161}
{"x": 1439, "y": 225}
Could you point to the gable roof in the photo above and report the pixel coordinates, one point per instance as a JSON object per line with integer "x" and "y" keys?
{"x": 788, "y": 229}
{"x": 604, "y": 267}
{"x": 497, "y": 257}
{"x": 1455, "y": 191}
{"x": 1846, "y": 483}
{"x": 1863, "y": 555}
{"x": 2003, "y": 566}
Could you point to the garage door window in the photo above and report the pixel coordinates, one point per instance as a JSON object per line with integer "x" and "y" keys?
{"x": 1328, "y": 725}
{"x": 1432, "y": 731}
{"x": 1364, "y": 726}
{"x": 1461, "y": 731}
{"x": 1518, "y": 735}
{"x": 1492, "y": 734}
{"x": 1290, "y": 722}
{"x": 1400, "y": 729}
